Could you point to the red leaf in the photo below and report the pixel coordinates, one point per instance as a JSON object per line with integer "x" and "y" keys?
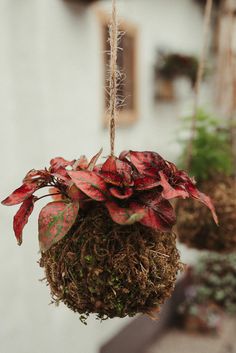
{"x": 123, "y": 216}
{"x": 121, "y": 193}
{"x": 123, "y": 155}
{"x": 94, "y": 160}
{"x": 207, "y": 201}
{"x": 62, "y": 176}
{"x": 20, "y": 194}
{"x": 109, "y": 172}
{"x": 37, "y": 176}
{"x": 74, "y": 193}
{"x": 125, "y": 171}
{"x": 117, "y": 172}
{"x": 170, "y": 192}
{"x": 58, "y": 163}
{"x": 159, "y": 213}
{"x": 90, "y": 183}
{"x": 147, "y": 163}
{"x": 80, "y": 164}
{"x": 58, "y": 169}
{"x": 55, "y": 220}
{"x": 145, "y": 183}
{"x": 22, "y": 216}
{"x": 192, "y": 190}
{"x": 183, "y": 186}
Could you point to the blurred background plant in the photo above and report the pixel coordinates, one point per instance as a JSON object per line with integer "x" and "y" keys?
{"x": 173, "y": 65}
{"x": 210, "y": 289}
{"x": 211, "y": 147}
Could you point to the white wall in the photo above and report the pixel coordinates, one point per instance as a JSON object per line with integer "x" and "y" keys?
{"x": 51, "y": 94}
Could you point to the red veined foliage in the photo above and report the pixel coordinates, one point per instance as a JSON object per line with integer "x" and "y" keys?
{"x": 134, "y": 187}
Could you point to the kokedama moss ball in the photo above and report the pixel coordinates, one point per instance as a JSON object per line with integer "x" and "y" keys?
{"x": 106, "y": 241}
{"x": 195, "y": 226}
{"x": 109, "y": 269}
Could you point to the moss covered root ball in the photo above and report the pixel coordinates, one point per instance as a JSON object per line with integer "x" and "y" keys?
{"x": 111, "y": 270}
{"x": 195, "y": 226}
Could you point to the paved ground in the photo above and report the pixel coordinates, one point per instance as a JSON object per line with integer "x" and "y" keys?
{"x": 176, "y": 341}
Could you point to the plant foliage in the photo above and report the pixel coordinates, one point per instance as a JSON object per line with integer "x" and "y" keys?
{"x": 213, "y": 282}
{"x": 136, "y": 187}
{"x": 173, "y": 65}
{"x": 211, "y": 149}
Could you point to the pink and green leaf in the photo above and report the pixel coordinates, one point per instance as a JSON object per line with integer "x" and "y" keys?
{"x": 123, "y": 216}
{"x": 37, "y": 176}
{"x": 22, "y": 216}
{"x": 20, "y": 194}
{"x": 59, "y": 163}
{"x": 90, "y": 183}
{"x": 55, "y": 220}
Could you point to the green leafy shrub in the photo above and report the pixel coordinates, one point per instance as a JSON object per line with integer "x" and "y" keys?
{"x": 211, "y": 149}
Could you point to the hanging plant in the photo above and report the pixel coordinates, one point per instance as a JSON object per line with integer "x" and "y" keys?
{"x": 106, "y": 240}
{"x": 173, "y": 65}
{"x": 212, "y": 165}
{"x": 210, "y": 292}
{"x": 208, "y": 155}
{"x": 106, "y": 243}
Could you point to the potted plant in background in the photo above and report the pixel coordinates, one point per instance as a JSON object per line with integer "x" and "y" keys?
{"x": 212, "y": 166}
{"x": 210, "y": 293}
{"x": 170, "y": 66}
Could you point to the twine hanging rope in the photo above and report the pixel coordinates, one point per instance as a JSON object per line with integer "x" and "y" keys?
{"x": 200, "y": 72}
{"x": 113, "y": 77}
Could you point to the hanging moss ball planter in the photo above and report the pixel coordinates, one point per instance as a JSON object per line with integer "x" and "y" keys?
{"x": 106, "y": 240}
{"x": 174, "y": 65}
{"x": 212, "y": 165}
{"x": 195, "y": 227}
{"x": 111, "y": 269}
